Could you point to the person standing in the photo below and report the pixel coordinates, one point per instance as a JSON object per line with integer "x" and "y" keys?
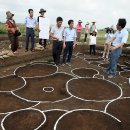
{"x": 109, "y": 35}
{"x": 42, "y": 12}
{"x": 79, "y": 30}
{"x": 69, "y": 42}
{"x": 12, "y": 28}
{"x": 93, "y": 27}
{"x": 92, "y": 42}
{"x": 118, "y": 41}
{"x": 30, "y": 22}
{"x": 86, "y": 31}
{"x": 57, "y": 36}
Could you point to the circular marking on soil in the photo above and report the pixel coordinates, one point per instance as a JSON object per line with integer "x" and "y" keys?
{"x": 36, "y": 70}
{"x": 48, "y": 89}
{"x": 10, "y": 103}
{"x": 87, "y": 120}
{"x": 95, "y": 63}
{"x": 94, "y": 59}
{"x": 105, "y": 65}
{"x": 127, "y": 63}
{"x": 84, "y": 72}
{"x": 11, "y": 83}
{"x": 98, "y": 76}
{"x": 33, "y": 90}
{"x": 125, "y": 68}
{"x": 125, "y": 74}
{"x": 30, "y": 119}
{"x": 93, "y": 89}
{"x": 51, "y": 117}
{"x": 120, "y": 109}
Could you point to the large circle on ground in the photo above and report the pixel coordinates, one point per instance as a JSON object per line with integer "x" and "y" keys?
{"x": 11, "y": 82}
{"x": 33, "y": 90}
{"x": 10, "y": 103}
{"x": 121, "y": 109}
{"x": 36, "y": 70}
{"x": 87, "y": 120}
{"x": 125, "y": 74}
{"x": 24, "y": 120}
{"x": 93, "y": 89}
{"x": 84, "y": 72}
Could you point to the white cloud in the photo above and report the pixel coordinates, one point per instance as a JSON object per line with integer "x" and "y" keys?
{"x": 105, "y": 12}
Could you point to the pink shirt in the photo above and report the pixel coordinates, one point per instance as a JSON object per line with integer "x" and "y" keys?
{"x": 79, "y": 28}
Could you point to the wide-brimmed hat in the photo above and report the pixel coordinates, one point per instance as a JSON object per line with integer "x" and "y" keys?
{"x": 79, "y": 21}
{"x": 87, "y": 23}
{"x": 9, "y": 14}
{"x": 42, "y": 10}
{"x": 93, "y": 22}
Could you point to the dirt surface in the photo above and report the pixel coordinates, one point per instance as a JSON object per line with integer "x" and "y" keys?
{"x": 34, "y": 89}
{"x": 97, "y": 89}
{"x": 51, "y": 116}
{"x": 34, "y": 70}
{"x": 83, "y": 72}
{"x": 9, "y": 103}
{"x": 125, "y": 74}
{"x": 88, "y": 120}
{"x": 12, "y": 82}
{"x": 86, "y": 88}
{"x": 21, "y": 120}
{"x": 121, "y": 109}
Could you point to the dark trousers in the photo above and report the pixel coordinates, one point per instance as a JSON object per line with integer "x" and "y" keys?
{"x": 56, "y": 51}
{"x": 85, "y": 38}
{"x": 30, "y": 33}
{"x": 43, "y": 43}
{"x": 68, "y": 51}
{"x": 14, "y": 42}
{"x": 93, "y": 48}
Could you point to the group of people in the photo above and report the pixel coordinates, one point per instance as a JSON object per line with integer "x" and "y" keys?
{"x": 64, "y": 39}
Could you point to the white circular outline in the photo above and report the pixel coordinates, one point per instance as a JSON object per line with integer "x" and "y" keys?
{"x": 76, "y": 110}
{"x": 123, "y": 76}
{"x": 36, "y": 64}
{"x": 13, "y": 92}
{"x": 49, "y": 88}
{"x": 13, "y": 89}
{"x": 2, "y": 125}
{"x": 99, "y": 65}
{"x": 114, "y": 101}
{"x": 85, "y": 69}
{"x": 67, "y": 87}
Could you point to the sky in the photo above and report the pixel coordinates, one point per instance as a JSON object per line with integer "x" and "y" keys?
{"x": 104, "y": 12}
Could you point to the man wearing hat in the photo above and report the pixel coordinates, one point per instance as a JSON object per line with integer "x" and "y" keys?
{"x": 93, "y": 27}
{"x": 79, "y": 30}
{"x": 11, "y": 28}
{"x": 86, "y": 31}
{"x": 42, "y": 39}
{"x": 30, "y": 22}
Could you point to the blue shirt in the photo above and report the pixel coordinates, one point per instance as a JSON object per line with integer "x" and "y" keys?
{"x": 30, "y": 22}
{"x": 120, "y": 37}
{"x": 69, "y": 34}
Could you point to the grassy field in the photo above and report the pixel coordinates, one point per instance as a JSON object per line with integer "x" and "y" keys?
{"x": 100, "y": 38}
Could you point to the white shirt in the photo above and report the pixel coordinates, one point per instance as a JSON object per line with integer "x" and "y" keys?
{"x": 108, "y": 37}
{"x": 121, "y": 37}
{"x": 58, "y": 32}
{"x": 30, "y": 22}
{"x": 92, "y": 40}
{"x": 70, "y": 34}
